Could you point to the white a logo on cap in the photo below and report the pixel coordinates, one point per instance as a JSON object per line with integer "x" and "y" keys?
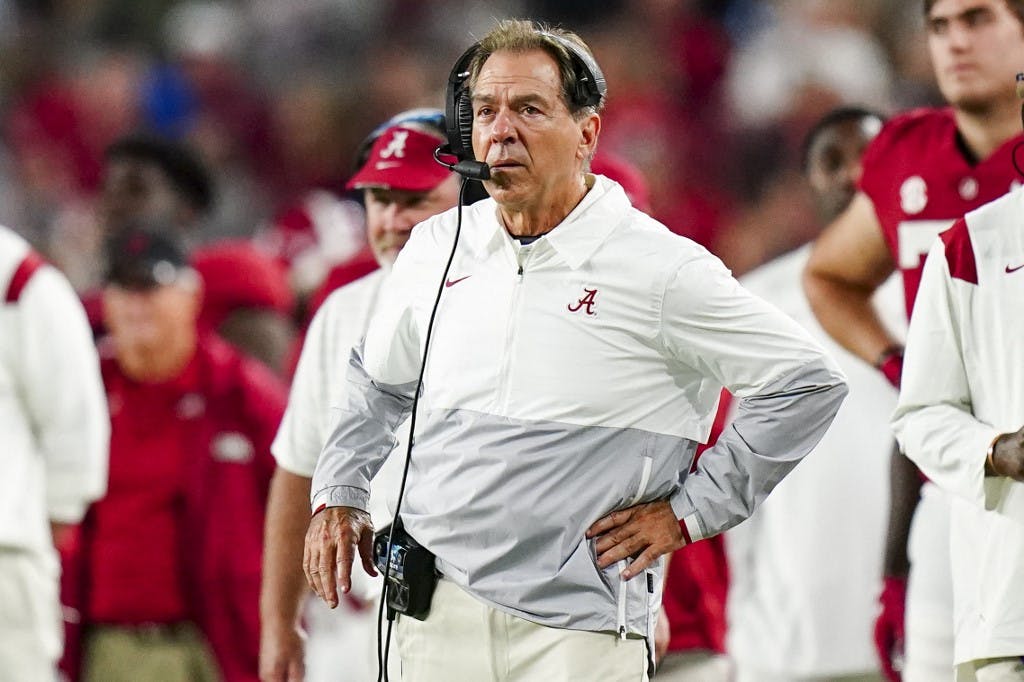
{"x": 396, "y": 147}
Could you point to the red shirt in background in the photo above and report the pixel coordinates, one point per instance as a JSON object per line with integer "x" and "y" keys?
{"x": 136, "y": 556}
{"x": 190, "y": 469}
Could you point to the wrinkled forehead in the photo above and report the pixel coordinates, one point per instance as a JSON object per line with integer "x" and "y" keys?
{"x": 530, "y": 71}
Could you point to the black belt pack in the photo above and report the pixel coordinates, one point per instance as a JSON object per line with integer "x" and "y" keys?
{"x": 411, "y": 577}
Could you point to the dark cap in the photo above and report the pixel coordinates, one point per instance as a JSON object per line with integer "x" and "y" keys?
{"x": 143, "y": 259}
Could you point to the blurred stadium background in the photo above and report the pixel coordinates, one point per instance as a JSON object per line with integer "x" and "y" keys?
{"x": 710, "y": 99}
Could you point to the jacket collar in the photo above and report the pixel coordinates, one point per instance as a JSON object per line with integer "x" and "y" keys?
{"x": 579, "y": 235}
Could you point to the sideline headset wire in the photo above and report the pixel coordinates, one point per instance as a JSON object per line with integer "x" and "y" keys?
{"x": 384, "y": 647}
{"x": 1020, "y": 145}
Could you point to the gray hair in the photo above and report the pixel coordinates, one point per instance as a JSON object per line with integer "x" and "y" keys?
{"x": 523, "y": 35}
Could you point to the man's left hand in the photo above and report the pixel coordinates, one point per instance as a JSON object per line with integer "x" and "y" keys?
{"x": 643, "y": 532}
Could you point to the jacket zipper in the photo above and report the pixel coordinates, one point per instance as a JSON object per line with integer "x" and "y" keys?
{"x": 645, "y": 478}
{"x": 513, "y": 321}
{"x": 623, "y": 586}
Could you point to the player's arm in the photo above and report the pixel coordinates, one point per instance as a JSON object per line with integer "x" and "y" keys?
{"x": 848, "y": 262}
{"x": 905, "y": 484}
{"x": 284, "y": 588}
{"x": 296, "y": 447}
{"x": 889, "y": 634}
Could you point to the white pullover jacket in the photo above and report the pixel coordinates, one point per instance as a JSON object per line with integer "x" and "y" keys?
{"x": 963, "y": 385}
{"x": 54, "y": 426}
{"x": 566, "y": 379}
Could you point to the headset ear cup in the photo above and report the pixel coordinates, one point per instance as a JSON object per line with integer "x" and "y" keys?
{"x": 464, "y": 112}
{"x": 458, "y": 108}
{"x": 582, "y": 92}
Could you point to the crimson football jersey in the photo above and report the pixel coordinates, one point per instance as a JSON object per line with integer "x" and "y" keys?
{"x": 920, "y": 180}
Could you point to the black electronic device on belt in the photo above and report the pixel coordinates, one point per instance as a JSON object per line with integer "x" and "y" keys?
{"x": 411, "y": 576}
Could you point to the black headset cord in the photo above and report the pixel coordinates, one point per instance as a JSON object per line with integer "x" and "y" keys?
{"x": 384, "y": 648}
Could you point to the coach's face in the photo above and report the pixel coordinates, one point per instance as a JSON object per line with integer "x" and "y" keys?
{"x": 977, "y": 47}
{"x": 523, "y": 130}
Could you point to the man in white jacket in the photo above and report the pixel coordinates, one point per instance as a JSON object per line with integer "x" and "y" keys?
{"x": 960, "y": 416}
{"x": 579, "y": 352}
{"x": 54, "y": 440}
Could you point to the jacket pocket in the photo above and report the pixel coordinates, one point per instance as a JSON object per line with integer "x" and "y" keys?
{"x": 645, "y": 478}
{"x": 647, "y": 464}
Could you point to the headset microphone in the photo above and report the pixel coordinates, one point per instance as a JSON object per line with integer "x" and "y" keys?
{"x": 467, "y": 168}
{"x": 474, "y": 170}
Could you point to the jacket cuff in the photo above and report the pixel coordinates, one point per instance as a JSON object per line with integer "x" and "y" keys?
{"x": 689, "y": 520}
{"x": 341, "y": 496}
{"x": 993, "y": 488}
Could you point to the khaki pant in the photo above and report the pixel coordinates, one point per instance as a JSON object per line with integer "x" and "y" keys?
{"x": 464, "y": 640}
{"x": 155, "y": 653}
{"x": 31, "y": 632}
{"x": 1010, "y": 669}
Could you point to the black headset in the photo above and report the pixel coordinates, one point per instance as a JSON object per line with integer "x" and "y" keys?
{"x": 589, "y": 90}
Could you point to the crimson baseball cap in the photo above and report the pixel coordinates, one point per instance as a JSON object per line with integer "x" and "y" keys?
{"x": 143, "y": 259}
{"x": 401, "y": 158}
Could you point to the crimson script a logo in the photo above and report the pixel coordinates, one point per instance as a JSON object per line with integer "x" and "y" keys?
{"x": 587, "y": 300}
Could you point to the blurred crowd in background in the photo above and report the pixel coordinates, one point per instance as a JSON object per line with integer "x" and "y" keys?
{"x": 709, "y": 99}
